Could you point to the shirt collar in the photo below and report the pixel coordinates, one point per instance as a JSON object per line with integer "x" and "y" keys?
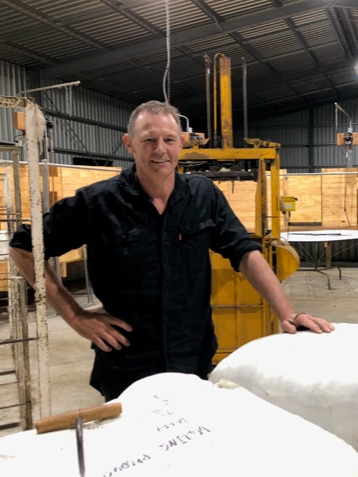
{"x": 132, "y": 186}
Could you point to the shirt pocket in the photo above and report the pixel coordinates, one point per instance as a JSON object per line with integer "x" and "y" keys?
{"x": 123, "y": 254}
{"x": 194, "y": 242}
{"x": 121, "y": 237}
{"x": 196, "y": 228}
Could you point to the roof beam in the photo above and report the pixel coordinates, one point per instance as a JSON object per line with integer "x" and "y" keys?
{"x": 177, "y": 39}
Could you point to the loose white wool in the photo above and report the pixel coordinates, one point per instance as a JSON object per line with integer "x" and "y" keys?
{"x": 312, "y": 375}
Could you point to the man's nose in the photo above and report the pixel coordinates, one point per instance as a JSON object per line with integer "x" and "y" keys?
{"x": 160, "y": 145}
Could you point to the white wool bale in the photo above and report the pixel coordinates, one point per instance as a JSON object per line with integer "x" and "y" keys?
{"x": 174, "y": 425}
{"x": 312, "y": 375}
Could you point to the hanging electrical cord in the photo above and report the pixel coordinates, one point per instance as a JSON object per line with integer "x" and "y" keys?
{"x": 166, "y": 77}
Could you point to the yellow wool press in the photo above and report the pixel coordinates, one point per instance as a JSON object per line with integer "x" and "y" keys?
{"x": 239, "y": 312}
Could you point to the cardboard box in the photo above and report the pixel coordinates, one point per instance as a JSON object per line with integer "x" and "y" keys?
{"x": 341, "y": 141}
{"x": 19, "y": 121}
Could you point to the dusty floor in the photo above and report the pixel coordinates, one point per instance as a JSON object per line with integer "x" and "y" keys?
{"x": 70, "y": 356}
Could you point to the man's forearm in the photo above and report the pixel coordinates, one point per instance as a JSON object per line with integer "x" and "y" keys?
{"x": 258, "y": 272}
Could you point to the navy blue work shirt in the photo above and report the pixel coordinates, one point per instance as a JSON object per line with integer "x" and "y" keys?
{"x": 150, "y": 270}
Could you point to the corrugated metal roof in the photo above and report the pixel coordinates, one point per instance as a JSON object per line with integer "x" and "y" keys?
{"x": 298, "y": 53}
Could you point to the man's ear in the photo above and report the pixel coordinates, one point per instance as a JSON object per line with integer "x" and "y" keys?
{"x": 127, "y": 142}
{"x": 182, "y": 141}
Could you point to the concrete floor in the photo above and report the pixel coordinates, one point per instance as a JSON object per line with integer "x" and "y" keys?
{"x": 71, "y": 357}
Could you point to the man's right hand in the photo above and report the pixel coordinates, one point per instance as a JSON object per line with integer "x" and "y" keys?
{"x": 101, "y": 328}
{"x": 95, "y": 325}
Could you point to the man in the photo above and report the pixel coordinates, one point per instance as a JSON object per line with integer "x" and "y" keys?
{"x": 148, "y": 233}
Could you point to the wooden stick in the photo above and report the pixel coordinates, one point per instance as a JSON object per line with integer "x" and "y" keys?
{"x": 68, "y": 419}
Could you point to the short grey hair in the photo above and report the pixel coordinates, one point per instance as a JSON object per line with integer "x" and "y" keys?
{"x": 153, "y": 107}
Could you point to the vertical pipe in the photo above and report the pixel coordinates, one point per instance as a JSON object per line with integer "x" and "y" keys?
{"x": 275, "y": 197}
{"x": 215, "y": 104}
{"x": 35, "y": 124}
{"x": 226, "y": 102}
{"x": 260, "y": 201}
{"x": 310, "y": 140}
{"x": 17, "y": 185}
{"x": 90, "y": 295}
{"x": 45, "y": 182}
{"x": 46, "y": 186}
{"x": 244, "y": 96}
{"x": 208, "y": 98}
{"x": 18, "y": 318}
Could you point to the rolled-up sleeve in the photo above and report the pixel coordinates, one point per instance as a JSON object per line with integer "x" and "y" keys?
{"x": 230, "y": 238}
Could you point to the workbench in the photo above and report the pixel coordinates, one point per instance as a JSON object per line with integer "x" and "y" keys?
{"x": 320, "y": 261}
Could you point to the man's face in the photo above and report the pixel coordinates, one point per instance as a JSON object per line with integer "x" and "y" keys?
{"x": 156, "y": 145}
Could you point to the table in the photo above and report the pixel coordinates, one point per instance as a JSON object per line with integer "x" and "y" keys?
{"x": 318, "y": 236}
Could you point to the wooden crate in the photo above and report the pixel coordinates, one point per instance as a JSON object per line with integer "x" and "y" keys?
{"x": 326, "y": 201}
{"x": 62, "y": 182}
{"x": 308, "y": 191}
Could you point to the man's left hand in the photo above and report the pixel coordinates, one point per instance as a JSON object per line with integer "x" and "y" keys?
{"x": 305, "y": 320}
